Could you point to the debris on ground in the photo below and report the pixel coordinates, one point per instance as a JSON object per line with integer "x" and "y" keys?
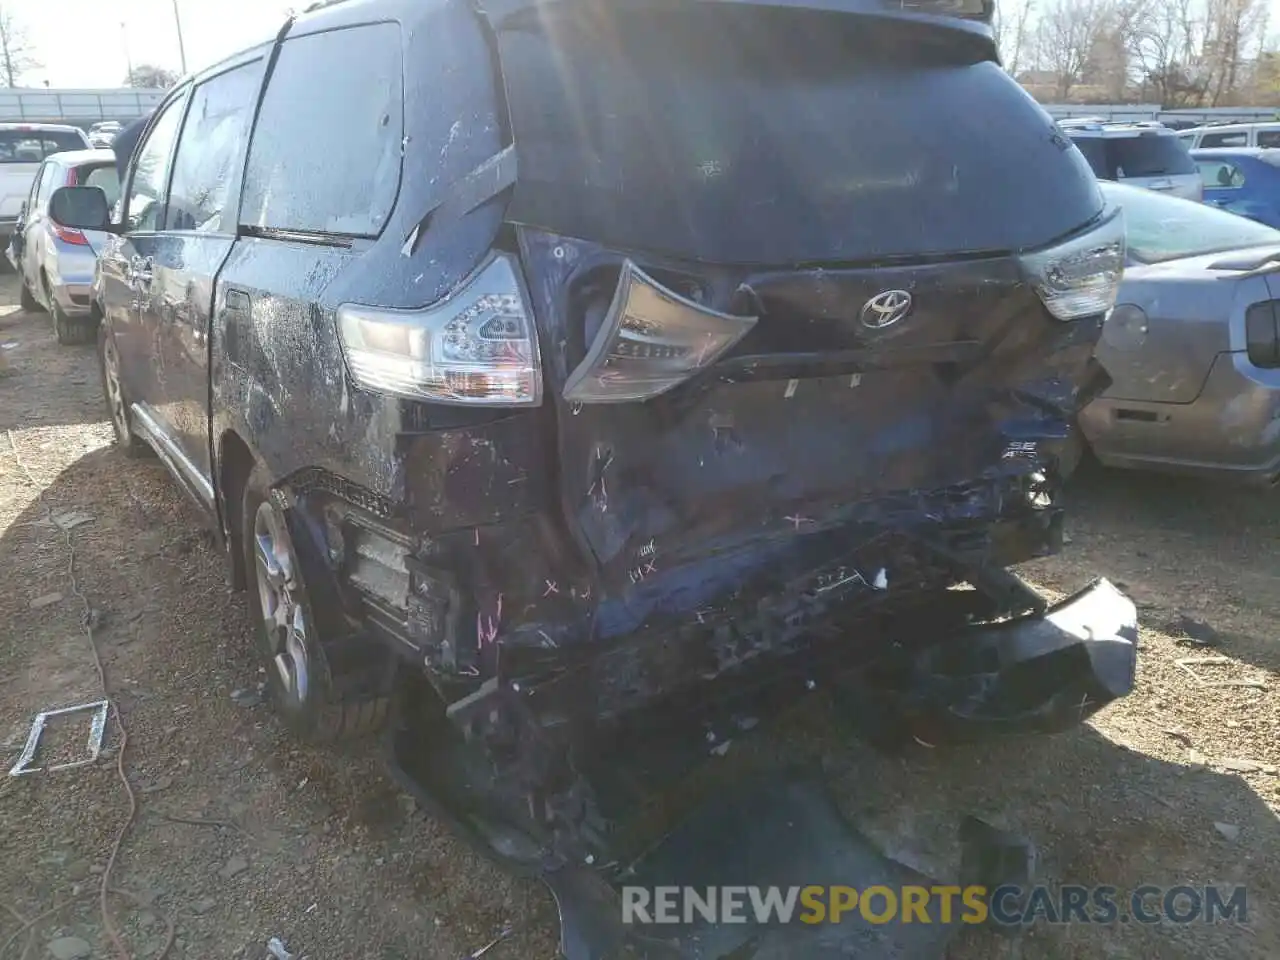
{"x": 1247, "y": 766}
{"x": 276, "y": 947}
{"x": 70, "y": 948}
{"x": 1229, "y": 831}
{"x": 97, "y": 711}
{"x": 233, "y": 868}
{"x": 505, "y": 935}
{"x": 1187, "y": 663}
{"x": 71, "y": 519}
{"x": 1196, "y": 631}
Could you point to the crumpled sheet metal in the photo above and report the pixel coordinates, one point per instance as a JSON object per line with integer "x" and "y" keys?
{"x": 783, "y": 830}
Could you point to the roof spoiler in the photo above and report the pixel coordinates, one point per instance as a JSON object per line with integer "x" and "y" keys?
{"x": 973, "y": 16}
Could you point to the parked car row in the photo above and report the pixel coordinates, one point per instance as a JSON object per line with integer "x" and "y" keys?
{"x": 56, "y": 264}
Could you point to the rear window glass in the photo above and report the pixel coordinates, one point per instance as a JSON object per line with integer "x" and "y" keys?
{"x": 1237, "y": 138}
{"x": 32, "y": 146}
{"x": 1160, "y": 228}
{"x": 738, "y": 134}
{"x": 325, "y": 155}
{"x": 104, "y": 176}
{"x": 1152, "y": 155}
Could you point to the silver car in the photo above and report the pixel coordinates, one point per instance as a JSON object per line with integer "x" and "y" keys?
{"x": 1147, "y": 155}
{"x": 1192, "y": 344}
{"x": 56, "y": 264}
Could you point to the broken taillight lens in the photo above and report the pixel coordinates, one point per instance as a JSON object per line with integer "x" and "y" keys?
{"x": 1081, "y": 277}
{"x": 651, "y": 340}
{"x": 69, "y": 235}
{"x": 478, "y": 346}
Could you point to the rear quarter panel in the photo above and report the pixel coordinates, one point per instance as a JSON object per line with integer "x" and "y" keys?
{"x": 1185, "y": 397}
{"x": 1189, "y": 321}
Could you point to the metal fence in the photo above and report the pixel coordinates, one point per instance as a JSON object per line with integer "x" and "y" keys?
{"x": 1153, "y": 111}
{"x": 80, "y": 107}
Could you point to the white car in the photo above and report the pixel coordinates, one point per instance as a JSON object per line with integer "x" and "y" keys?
{"x": 1262, "y": 134}
{"x": 1147, "y": 155}
{"x": 23, "y": 147}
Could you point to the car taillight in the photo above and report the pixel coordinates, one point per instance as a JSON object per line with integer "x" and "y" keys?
{"x": 67, "y": 235}
{"x": 651, "y": 340}
{"x": 478, "y": 346}
{"x": 1262, "y": 334}
{"x": 1081, "y": 277}
{"x": 72, "y": 179}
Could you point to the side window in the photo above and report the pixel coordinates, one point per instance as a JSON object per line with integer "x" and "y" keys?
{"x": 34, "y": 196}
{"x": 325, "y": 155}
{"x": 1220, "y": 174}
{"x": 48, "y": 183}
{"x": 1269, "y": 138}
{"x": 1238, "y": 138}
{"x": 105, "y": 179}
{"x": 211, "y": 144}
{"x": 151, "y": 170}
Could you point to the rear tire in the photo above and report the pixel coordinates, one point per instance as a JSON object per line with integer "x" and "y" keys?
{"x": 69, "y": 331}
{"x": 29, "y": 303}
{"x": 322, "y": 692}
{"x": 117, "y": 397}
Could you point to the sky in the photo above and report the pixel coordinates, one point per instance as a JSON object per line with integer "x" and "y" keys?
{"x": 82, "y": 43}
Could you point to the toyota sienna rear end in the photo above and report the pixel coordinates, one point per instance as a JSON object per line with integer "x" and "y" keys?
{"x": 792, "y": 311}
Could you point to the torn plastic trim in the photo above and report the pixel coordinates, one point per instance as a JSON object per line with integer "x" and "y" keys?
{"x": 1041, "y": 674}
{"x": 652, "y": 339}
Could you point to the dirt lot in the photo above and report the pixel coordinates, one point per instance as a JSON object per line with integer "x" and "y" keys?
{"x": 240, "y": 835}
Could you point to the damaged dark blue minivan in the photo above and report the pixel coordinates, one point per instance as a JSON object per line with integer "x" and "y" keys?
{"x": 562, "y": 371}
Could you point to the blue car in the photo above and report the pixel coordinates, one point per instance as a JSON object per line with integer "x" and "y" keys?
{"x": 1244, "y": 180}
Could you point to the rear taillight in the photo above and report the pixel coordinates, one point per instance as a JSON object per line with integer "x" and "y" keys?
{"x": 1262, "y": 334}
{"x": 476, "y": 347}
{"x": 651, "y": 340}
{"x": 67, "y": 235}
{"x": 1080, "y": 278}
{"x": 72, "y": 179}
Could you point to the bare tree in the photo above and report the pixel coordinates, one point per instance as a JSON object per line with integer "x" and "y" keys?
{"x": 1066, "y": 36}
{"x": 17, "y": 55}
{"x": 1233, "y": 31}
{"x": 149, "y": 76}
{"x": 1011, "y": 25}
{"x": 1164, "y": 40}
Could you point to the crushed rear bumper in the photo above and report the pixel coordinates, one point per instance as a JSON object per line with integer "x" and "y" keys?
{"x": 544, "y": 798}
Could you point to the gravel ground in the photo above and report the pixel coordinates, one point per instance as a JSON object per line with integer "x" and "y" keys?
{"x": 241, "y": 835}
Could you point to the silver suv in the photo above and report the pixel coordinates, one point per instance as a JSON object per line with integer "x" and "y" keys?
{"x": 1148, "y": 155}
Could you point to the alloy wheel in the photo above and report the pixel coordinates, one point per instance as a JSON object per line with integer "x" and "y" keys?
{"x": 115, "y": 394}
{"x": 284, "y": 619}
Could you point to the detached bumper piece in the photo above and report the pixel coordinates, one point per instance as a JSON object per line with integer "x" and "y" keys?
{"x": 1037, "y": 674}
{"x": 783, "y": 830}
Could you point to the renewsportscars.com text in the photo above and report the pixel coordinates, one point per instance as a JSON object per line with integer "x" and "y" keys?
{"x": 1005, "y": 905}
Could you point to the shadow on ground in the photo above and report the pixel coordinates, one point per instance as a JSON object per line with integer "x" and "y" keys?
{"x": 43, "y": 384}
{"x": 1203, "y": 565}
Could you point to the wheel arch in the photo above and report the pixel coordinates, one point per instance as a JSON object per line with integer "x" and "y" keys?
{"x": 235, "y": 460}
